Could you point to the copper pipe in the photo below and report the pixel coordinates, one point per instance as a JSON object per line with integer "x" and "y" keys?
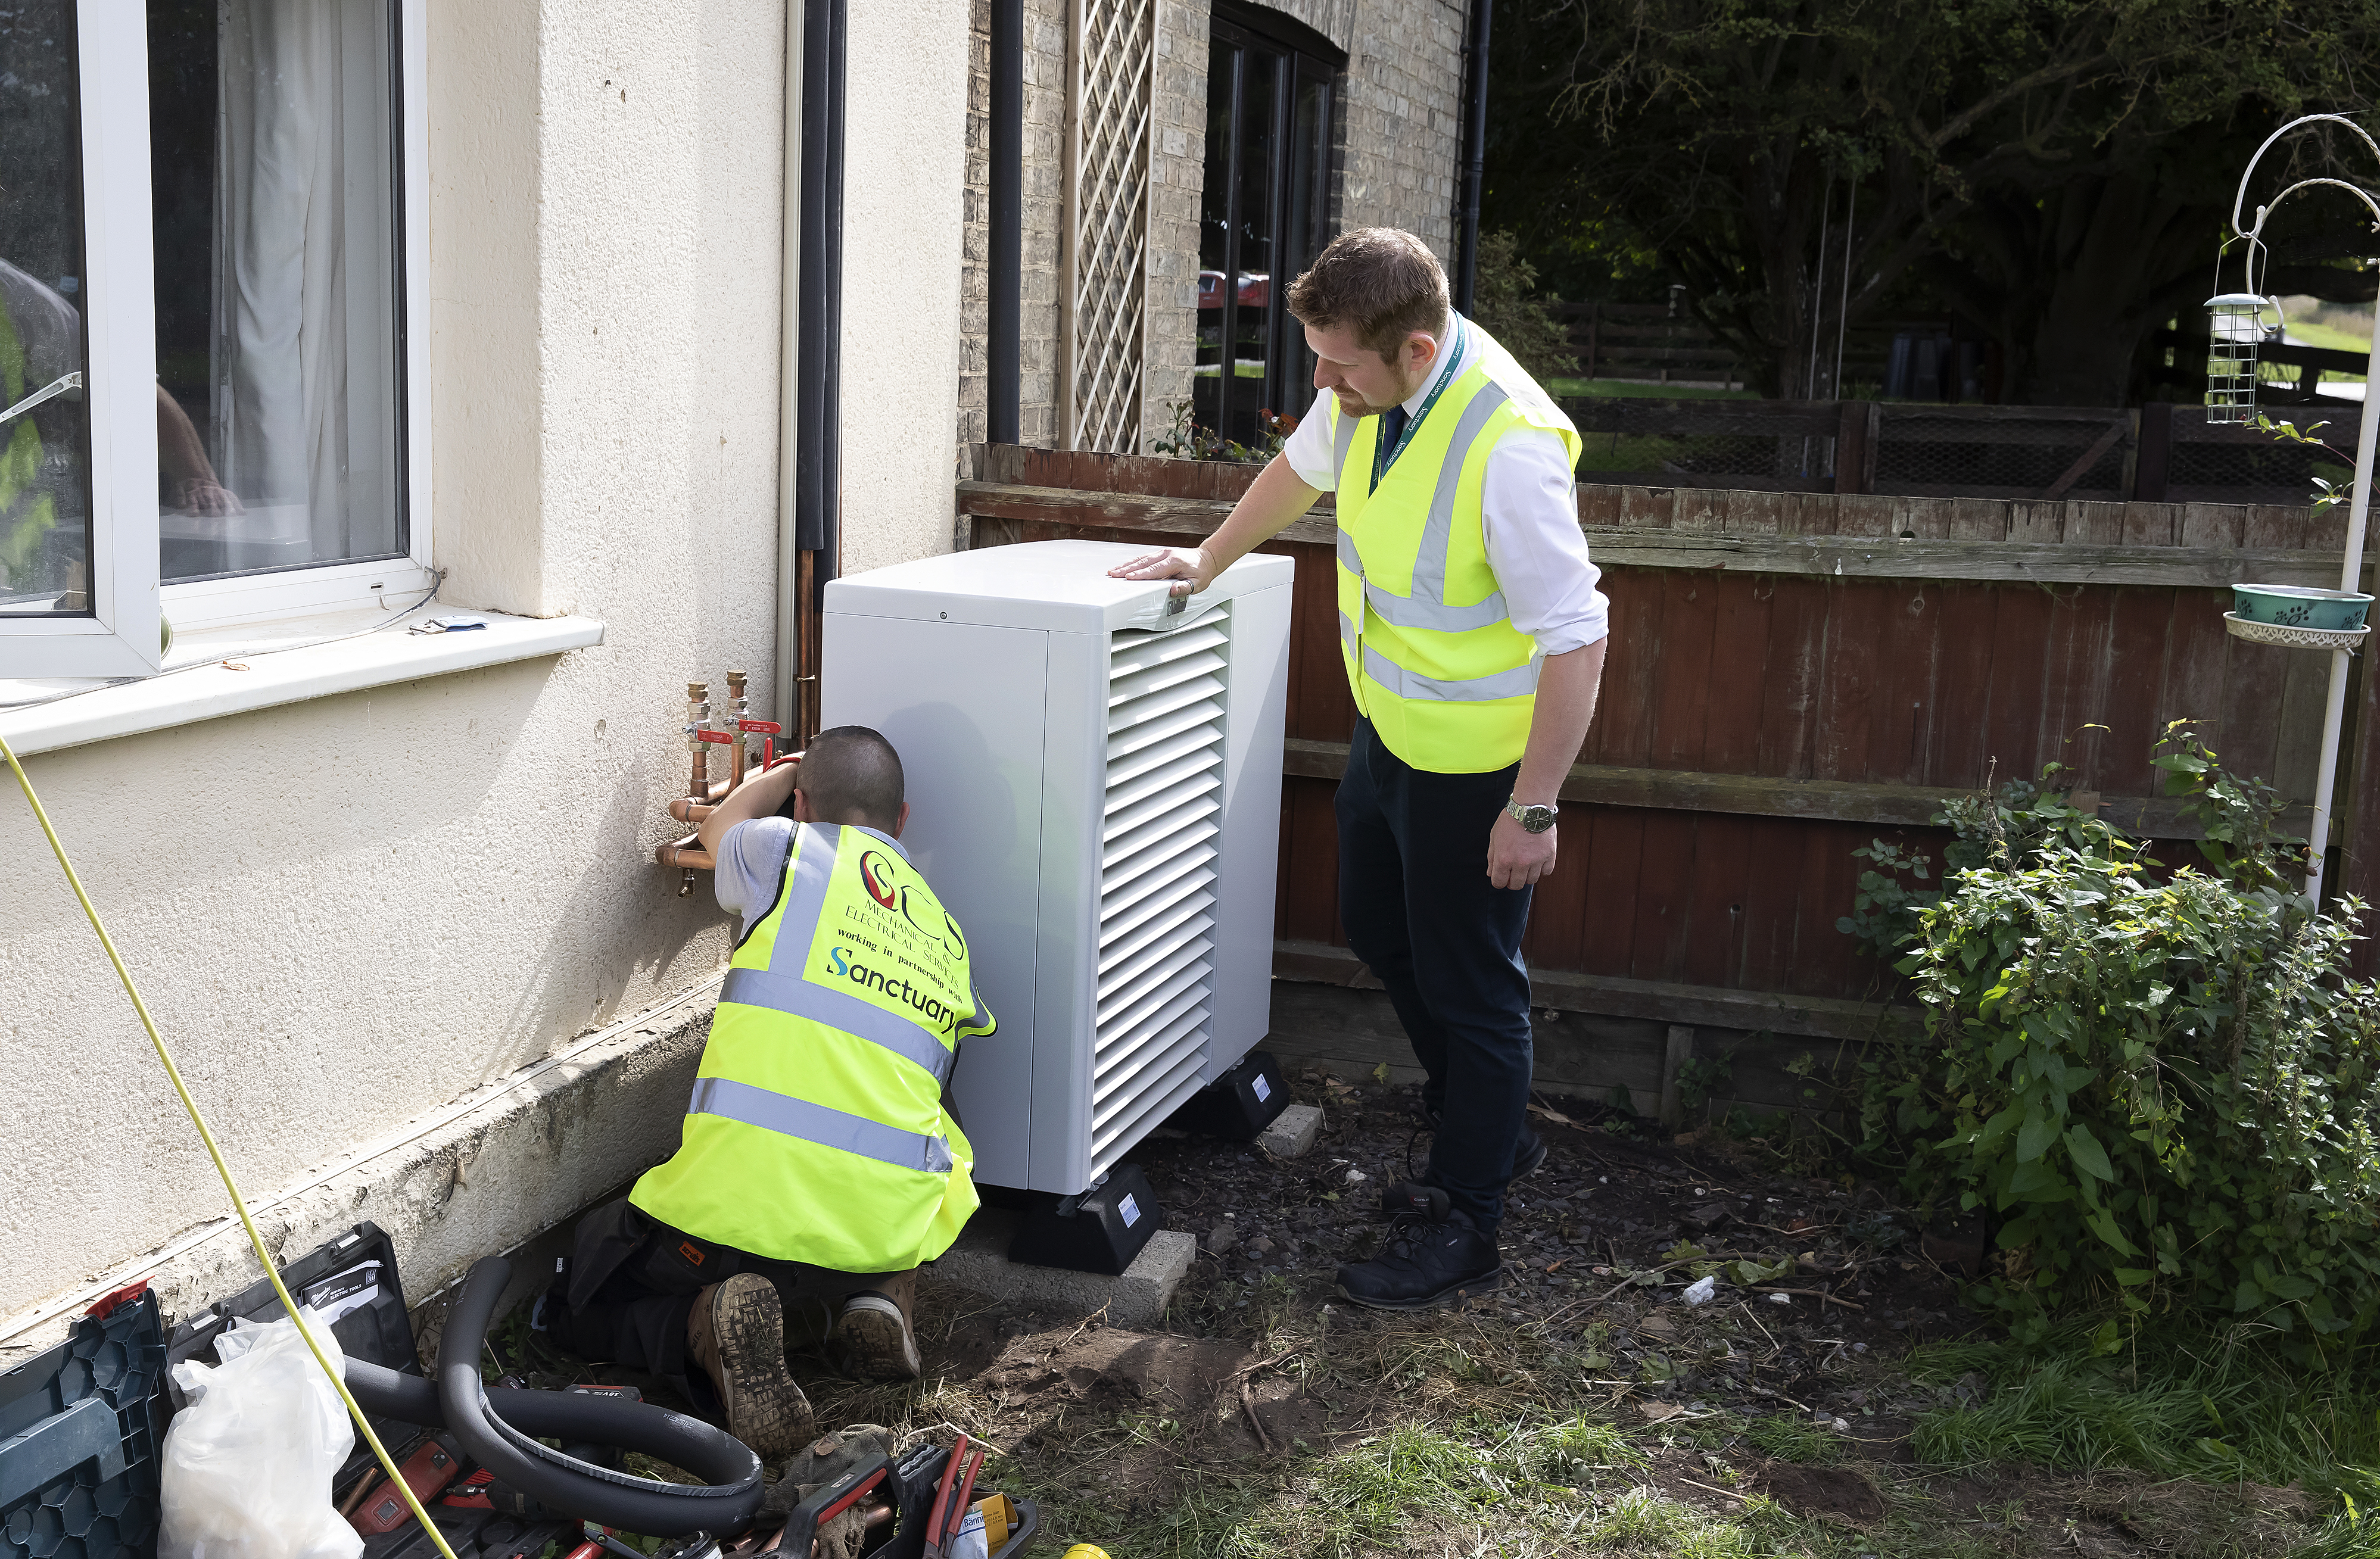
{"x": 687, "y": 853}
{"x": 697, "y": 718}
{"x": 697, "y": 787}
{"x": 686, "y": 809}
{"x": 806, "y": 633}
{"x": 737, "y": 712}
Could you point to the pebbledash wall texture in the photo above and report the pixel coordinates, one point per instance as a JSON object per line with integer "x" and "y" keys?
{"x": 1396, "y": 145}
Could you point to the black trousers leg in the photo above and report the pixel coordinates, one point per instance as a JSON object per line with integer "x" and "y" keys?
{"x": 1419, "y": 911}
{"x": 627, "y": 1292}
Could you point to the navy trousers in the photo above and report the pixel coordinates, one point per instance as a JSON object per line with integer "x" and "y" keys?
{"x": 1415, "y": 898}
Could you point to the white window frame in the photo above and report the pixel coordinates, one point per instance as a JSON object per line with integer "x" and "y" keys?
{"x": 122, "y": 635}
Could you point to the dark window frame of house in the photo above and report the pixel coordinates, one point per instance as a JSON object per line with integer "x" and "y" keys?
{"x": 1274, "y": 95}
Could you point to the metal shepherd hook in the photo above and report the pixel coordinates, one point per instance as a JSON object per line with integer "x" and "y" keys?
{"x": 2359, "y": 509}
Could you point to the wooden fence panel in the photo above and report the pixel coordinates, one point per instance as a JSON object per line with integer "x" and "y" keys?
{"x": 1765, "y": 715}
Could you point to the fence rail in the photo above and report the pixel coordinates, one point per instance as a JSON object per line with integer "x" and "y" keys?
{"x": 1791, "y": 675}
{"x": 2157, "y": 453}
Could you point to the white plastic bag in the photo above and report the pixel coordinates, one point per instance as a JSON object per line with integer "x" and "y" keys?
{"x": 248, "y": 1465}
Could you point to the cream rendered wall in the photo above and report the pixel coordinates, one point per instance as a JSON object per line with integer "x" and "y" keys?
{"x": 348, "y": 912}
{"x": 905, "y": 209}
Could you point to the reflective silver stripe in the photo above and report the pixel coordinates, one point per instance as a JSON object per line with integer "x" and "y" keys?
{"x": 799, "y": 1118}
{"x": 1344, "y": 426}
{"x": 781, "y": 988}
{"x": 1518, "y": 683}
{"x": 813, "y": 869}
{"x": 1349, "y": 559}
{"x": 841, "y": 1011}
{"x": 1346, "y": 628}
{"x": 1429, "y": 569}
{"x": 1425, "y": 607}
{"x": 1410, "y": 611}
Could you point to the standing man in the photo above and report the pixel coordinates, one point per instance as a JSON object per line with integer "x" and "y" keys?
{"x": 818, "y": 1163}
{"x": 1472, "y": 634}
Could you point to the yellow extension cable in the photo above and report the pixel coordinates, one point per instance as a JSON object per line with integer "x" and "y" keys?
{"x": 207, "y": 1137}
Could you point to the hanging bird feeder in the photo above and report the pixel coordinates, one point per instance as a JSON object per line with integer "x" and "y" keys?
{"x": 2235, "y": 326}
{"x": 2295, "y": 617}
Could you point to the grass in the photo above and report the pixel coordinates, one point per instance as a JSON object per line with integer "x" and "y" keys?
{"x": 1628, "y": 387}
{"x": 2181, "y": 1404}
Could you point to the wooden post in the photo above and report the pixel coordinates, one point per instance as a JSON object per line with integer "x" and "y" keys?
{"x": 1853, "y": 463}
{"x": 2153, "y": 469}
{"x": 1674, "y": 1057}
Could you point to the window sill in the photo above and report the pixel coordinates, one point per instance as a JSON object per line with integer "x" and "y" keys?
{"x": 284, "y": 663}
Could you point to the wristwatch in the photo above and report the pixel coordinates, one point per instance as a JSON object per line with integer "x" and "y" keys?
{"x": 1536, "y": 819}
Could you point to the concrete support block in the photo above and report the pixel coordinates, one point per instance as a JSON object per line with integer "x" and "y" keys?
{"x": 1293, "y": 1131}
{"x": 1135, "y": 1301}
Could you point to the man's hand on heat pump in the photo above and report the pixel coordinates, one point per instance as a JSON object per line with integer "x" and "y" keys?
{"x": 1171, "y": 563}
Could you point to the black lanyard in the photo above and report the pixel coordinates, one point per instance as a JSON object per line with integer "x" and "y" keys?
{"x": 1384, "y": 456}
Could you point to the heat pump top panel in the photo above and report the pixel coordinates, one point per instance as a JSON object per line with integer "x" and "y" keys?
{"x": 1056, "y": 587}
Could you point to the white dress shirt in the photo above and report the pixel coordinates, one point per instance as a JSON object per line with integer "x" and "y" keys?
{"x": 1529, "y": 505}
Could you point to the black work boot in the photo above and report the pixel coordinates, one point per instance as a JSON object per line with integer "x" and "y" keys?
{"x": 736, "y": 1335}
{"x": 1432, "y": 1255}
{"x": 1528, "y": 1152}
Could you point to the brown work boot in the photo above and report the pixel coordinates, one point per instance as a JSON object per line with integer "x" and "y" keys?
{"x": 873, "y": 1334}
{"x": 737, "y": 1336}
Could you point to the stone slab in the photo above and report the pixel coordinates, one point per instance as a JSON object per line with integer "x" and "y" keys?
{"x": 1136, "y": 1299}
{"x": 1291, "y": 1132}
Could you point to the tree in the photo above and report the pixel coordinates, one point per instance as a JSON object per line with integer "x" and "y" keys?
{"x": 1508, "y": 306}
{"x": 2054, "y": 171}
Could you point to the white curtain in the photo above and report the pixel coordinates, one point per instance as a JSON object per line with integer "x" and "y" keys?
{"x": 303, "y": 361}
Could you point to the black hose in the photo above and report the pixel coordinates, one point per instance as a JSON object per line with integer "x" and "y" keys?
{"x": 558, "y": 1415}
{"x": 499, "y": 1429}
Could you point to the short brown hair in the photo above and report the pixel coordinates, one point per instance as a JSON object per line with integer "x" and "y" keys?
{"x": 1382, "y": 281}
{"x": 852, "y": 775}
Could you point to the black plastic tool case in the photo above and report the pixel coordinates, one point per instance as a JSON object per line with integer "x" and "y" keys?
{"x": 78, "y": 1442}
{"x": 359, "y": 1268}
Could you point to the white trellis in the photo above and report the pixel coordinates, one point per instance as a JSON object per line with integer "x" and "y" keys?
{"x": 1103, "y": 270}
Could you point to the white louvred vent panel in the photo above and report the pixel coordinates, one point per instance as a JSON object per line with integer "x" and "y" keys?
{"x": 1124, "y": 956}
{"x": 1160, "y": 836}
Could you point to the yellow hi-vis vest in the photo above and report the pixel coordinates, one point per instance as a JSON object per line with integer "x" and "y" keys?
{"x": 1435, "y": 664}
{"x": 816, "y": 1132}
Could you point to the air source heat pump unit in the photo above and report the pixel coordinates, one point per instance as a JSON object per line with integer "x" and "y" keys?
{"x": 1093, "y": 773}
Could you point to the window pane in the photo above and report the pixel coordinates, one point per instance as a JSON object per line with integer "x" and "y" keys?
{"x": 1253, "y": 225}
{"x": 44, "y": 440}
{"x": 272, "y": 178}
{"x": 1214, "y": 236}
{"x": 1308, "y": 210}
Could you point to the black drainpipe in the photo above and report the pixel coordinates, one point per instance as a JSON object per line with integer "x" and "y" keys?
{"x": 1006, "y": 269}
{"x": 817, "y": 463}
{"x": 1474, "y": 155}
{"x": 818, "y": 466}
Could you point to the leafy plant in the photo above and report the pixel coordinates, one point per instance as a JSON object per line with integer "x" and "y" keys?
{"x": 2326, "y": 493}
{"x": 1508, "y": 306}
{"x": 2163, "y": 1085}
{"x": 1699, "y": 1077}
{"x": 1187, "y": 440}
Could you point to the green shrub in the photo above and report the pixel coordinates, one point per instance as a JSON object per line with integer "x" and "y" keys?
{"x": 1505, "y": 302}
{"x": 2163, "y": 1085}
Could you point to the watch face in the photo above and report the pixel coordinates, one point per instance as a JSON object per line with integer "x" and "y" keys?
{"x": 1536, "y": 819}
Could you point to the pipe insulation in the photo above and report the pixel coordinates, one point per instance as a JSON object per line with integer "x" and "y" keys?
{"x": 501, "y": 1428}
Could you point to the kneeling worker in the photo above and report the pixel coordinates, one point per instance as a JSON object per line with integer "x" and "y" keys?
{"x": 819, "y": 1165}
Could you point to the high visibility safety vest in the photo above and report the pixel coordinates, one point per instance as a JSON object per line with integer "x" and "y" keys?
{"x": 816, "y": 1132}
{"x": 1435, "y": 664}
